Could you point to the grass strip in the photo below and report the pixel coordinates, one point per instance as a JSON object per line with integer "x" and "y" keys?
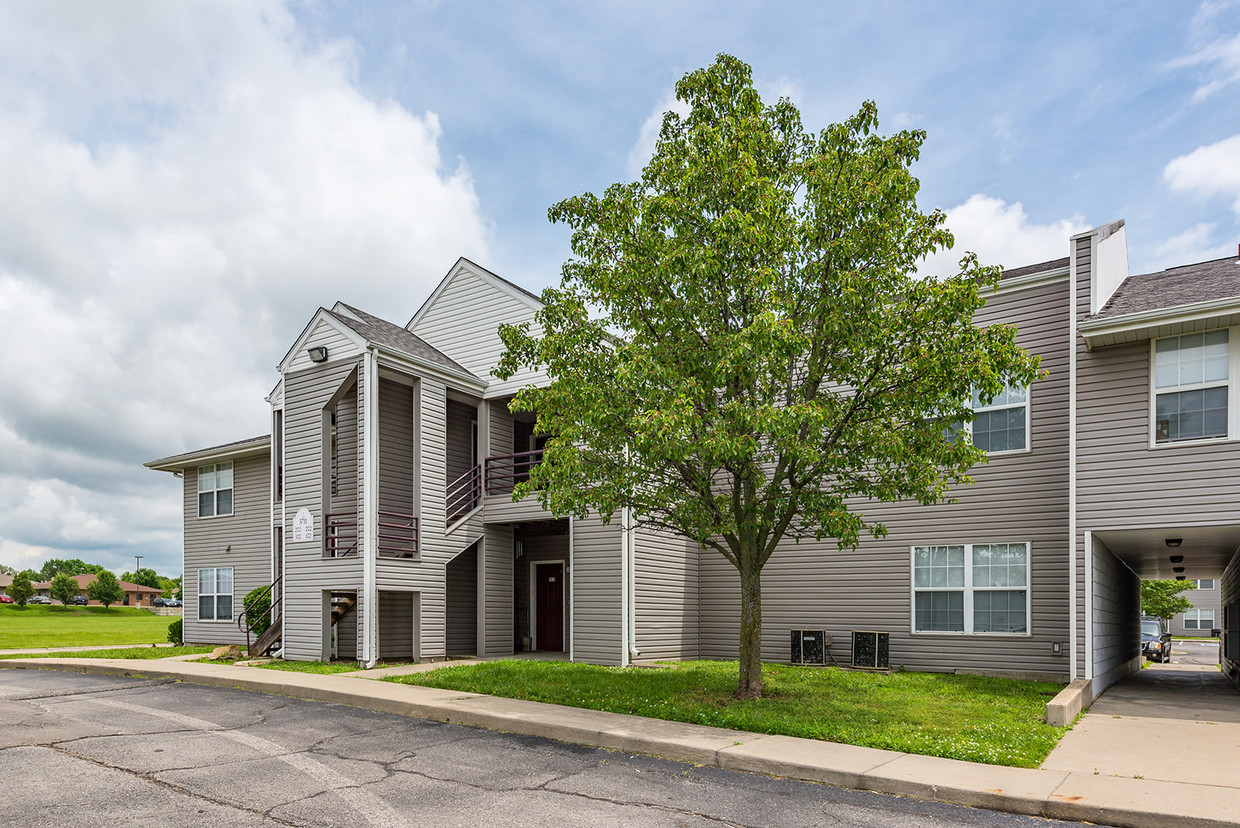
{"x": 972, "y": 718}
{"x": 55, "y": 626}
{"x": 119, "y": 652}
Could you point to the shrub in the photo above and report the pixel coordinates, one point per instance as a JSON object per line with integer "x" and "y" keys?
{"x": 258, "y": 609}
{"x": 174, "y": 631}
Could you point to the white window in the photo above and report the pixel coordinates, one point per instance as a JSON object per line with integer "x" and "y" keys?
{"x": 215, "y": 594}
{"x": 1199, "y": 619}
{"x": 971, "y": 588}
{"x": 1204, "y": 583}
{"x": 1190, "y": 386}
{"x": 1003, "y": 423}
{"x": 215, "y": 490}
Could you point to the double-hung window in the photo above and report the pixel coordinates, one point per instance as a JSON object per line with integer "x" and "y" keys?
{"x": 971, "y": 588}
{"x": 1204, "y": 583}
{"x": 1199, "y": 619}
{"x": 215, "y": 490}
{"x": 1190, "y": 386}
{"x": 215, "y": 594}
{"x": 1003, "y": 423}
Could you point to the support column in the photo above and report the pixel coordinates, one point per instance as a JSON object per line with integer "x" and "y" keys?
{"x": 369, "y": 652}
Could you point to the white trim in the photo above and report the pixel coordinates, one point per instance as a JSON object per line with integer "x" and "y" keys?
{"x": 370, "y": 507}
{"x": 418, "y": 367}
{"x": 180, "y": 462}
{"x": 572, "y": 584}
{"x": 564, "y": 621}
{"x": 968, "y": 590}
{"x": 624, "y": 590}
{"x": 1030, "y": 280}
{"x": 1072, "y": 371}
{"x": 1089, "y": 604}
{"x": 198, "y": 492}
{"x": 1174, "y": 315}
{"x": 199, "y": 595}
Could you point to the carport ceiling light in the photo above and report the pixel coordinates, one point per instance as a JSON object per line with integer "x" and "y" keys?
{"x": 1176, "y": 558}
{"x": 1177, "y": 569}
{"x": 1179, "y": 577}
{"x": 1174, "y": 543}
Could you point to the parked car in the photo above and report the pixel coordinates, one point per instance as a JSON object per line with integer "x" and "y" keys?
{"x": 4, "y": 599}
{"x": 159, "y": 602}
{"x": 79, "y": 600}
{"x": 173, "y": 602}
{"x": 40, "y": 599}
{"x": 1155, "y": 640}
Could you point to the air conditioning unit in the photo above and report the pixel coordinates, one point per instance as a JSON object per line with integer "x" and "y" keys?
{"x": 808, "y": 646}
{"x": 870, "y": 650}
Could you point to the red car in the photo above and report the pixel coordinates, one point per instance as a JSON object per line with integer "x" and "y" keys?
{"x": 4, "y": 599}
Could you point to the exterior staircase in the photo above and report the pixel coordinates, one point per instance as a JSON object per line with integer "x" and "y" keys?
{"x": 265, "y": 642}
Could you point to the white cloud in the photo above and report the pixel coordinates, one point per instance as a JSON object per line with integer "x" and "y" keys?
{"x": 1001, "y": 234}
{"x": 1211, "y": 170}
{"x": 648, "y": 135}
{"x": 184, "y": 185}
{"x": 1218, "y": 54}
{"x": 1192, "y": 245}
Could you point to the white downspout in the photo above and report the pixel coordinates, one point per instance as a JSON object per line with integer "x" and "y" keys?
{"x": 630, "y": 532}
{"x": 370, "y": 509}
{"x": 624, "y": 587}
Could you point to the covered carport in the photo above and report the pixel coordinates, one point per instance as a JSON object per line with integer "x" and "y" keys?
{"x": 1118, "y": 560}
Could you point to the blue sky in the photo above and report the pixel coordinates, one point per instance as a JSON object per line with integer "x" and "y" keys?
{"x": 185, "y": 183}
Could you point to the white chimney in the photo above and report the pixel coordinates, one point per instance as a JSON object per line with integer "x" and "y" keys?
{"x": 1110, "y": 263}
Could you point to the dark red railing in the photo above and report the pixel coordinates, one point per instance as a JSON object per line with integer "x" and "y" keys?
{"x": 464, "y": 494}
{"x": 505, "y": 471}
{"x": 397, "y": 535}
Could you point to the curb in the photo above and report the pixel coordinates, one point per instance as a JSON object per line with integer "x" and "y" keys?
{"x": 1131, "y": 803}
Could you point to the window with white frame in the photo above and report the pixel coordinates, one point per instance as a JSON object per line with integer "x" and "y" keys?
{"x": 1003, "y": 423}
{"x": 971, "y": 588}
{"x": 1204, "y": 583}
{"x": 215, "y": 594}
{"x": 1190, "y": 386}
{"x": 1199, "y": 619}
{"x": 215, "y": 490}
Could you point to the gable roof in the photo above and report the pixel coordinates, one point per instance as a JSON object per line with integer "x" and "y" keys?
{"x": 464, "y": 265}
{"x": 1191, "y": 284}
{"x": 1052, "y": 264}
{"x": 389, "y": 335}
{"x": 250, "y": 447}
{"x": 331, "y": 319}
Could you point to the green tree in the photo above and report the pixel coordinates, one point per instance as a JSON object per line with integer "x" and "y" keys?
{"x": 105, "y": 589}
{"x": 21, "y": 590}
{"x": 145, "y": 576}
{"x": 64, "y": 588}
{"x": 1162, "y": 599}
{"x": 7, "y": 570}
{"x": 171, "y": 587}
{"x": 741, "y": 351}
{"x": 71, "y": 566}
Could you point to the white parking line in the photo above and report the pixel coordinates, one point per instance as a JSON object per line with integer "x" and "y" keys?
{"x": 372, "y": 808}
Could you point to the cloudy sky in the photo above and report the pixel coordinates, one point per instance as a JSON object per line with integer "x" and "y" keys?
{"x": 183, "y": 184}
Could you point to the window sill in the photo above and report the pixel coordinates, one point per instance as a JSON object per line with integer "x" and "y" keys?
{"x": 213, "y": 517}
{"x": 1205, "y": 441}
{"x": 1008, "y": 452}
{"x": 949, "y": 634}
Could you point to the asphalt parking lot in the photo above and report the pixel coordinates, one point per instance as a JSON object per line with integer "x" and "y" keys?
{"x": 105, "y": 751}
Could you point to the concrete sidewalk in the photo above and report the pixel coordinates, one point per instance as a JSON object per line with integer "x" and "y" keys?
{"x": 1061, "y": 794}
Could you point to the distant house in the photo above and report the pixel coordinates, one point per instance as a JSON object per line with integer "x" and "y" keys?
{"x": 379, "y": 508}
{"x": 1207, "y": 612}
{"x": 136, "y": 595}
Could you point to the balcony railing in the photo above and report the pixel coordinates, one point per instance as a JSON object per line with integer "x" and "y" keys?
{"x": 397, "y": 535}
{"x": 464, "y": 494}
{"x": 505, "y": 471}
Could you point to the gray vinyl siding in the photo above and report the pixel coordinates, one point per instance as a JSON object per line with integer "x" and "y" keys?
{"x": 1015, "y": 498}
{"x": 396, "y": 625}
{"x": 1210, "y": 599}
{"x": 461, "y": 634}
{"x": 464, "y": 323}
{"x": 597, "y": 608}
{"x": 307, "y": 573}
{"x": 346, "y": 636}
{"x": 542, "y": 548}
{"x": 1116, "y": 602}
{"x": 1230, "y": 594}
{"x": 666, "y": 596}
{"x": 348, "y": 454}
{"x": 339, "y": 346}
{"x": 241, "y": 540}
{"x": 496, "y": 591}
{"x": 459, "y": 454}
{"x": 395, "y": 448}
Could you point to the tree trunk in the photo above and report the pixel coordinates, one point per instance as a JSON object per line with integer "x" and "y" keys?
{"x": 750, "y": 684}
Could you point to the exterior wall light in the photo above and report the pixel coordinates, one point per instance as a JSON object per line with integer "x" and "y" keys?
{"x": 317, "y": 354}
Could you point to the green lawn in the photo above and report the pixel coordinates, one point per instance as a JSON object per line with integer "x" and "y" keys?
{"x": 974, "y": 718}
{"x": 121, "y": 652}
{"x": 56, "y": 626}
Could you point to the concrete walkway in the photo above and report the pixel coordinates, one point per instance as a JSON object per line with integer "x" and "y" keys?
{"x": 1062, "y": 793}
{"x": 1167, "y": 723}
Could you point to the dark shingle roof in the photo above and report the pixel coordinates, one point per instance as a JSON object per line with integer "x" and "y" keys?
{"x": 382, "y": 332}
{"x": 1053, "y": 264}
{"x": 1175, "y": 286}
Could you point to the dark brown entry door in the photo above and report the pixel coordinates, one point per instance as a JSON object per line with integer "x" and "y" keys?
{"x": 549, "y": 606}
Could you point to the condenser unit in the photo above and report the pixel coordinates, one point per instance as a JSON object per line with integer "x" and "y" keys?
{"x": 869, "y": 650}
{"x": 808, "y": 646}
